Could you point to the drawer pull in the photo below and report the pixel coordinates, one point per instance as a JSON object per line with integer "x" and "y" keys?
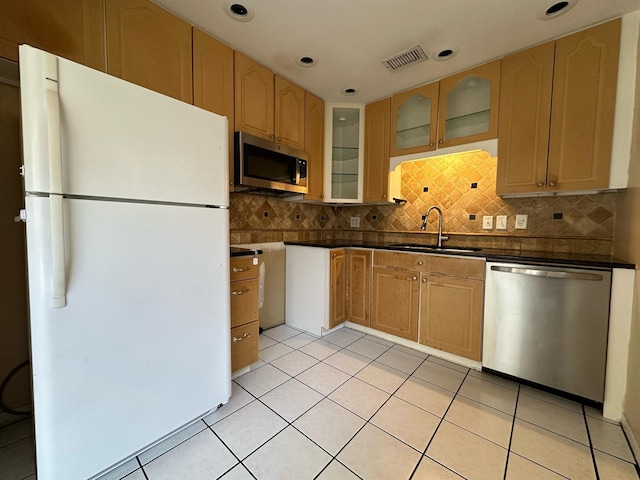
{"x": 239, "y": 339}
{"x": 240, "y": 292}
{"x": 243, "y": 269}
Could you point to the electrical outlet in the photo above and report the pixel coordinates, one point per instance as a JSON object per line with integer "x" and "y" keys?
{"x": 355, "y": 222}
{"x": 521, "y": 222}
{"x": 487, "y": 222}
{"x": 501, "y": 222}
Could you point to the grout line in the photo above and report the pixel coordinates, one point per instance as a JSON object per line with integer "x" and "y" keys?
{"x": 232, "y": 453}
{"x": 593, "y": 455}
{"x": 513, "y": 426}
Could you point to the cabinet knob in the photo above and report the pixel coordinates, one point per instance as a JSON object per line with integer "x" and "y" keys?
{"x": 271, "y": 136}
{"x": 441, "y": 141}
{"x": 420, "y": 262}
{"x": 278, "y": 138}
{"x": 424, "y": 280}
{"x": 540, "y": 184}
{"x": 384, "y": 195}
{"x": 431, "y": 144}
{"x": 414, "y": 278}
{"x": 552, "y": 184}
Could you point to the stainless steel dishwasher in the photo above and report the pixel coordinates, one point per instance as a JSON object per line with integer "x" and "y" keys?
{"x": 548, "y": 325}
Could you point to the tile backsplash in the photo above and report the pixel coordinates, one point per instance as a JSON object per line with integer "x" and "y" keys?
{"x": 463, "y": 185}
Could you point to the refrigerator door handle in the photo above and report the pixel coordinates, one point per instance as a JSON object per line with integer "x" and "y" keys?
{"x": 58, "y": 279}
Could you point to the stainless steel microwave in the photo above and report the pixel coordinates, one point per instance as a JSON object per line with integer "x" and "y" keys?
{"x": 269, "y": 167}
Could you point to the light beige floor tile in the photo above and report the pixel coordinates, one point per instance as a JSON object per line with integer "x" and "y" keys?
{"x": 549, "y": 397}
{"x": 519, "y": 468}
{"x": 320, "y": 349}
{"x": 257, "y": 364}
{"x": 260, "y": 381}
{"x": 379, "y": 340}
{"x": 336, "y": 471}
{"x": 171, "y": 442}
{"x": 376, "y": 455}
{"x": 288, "y": 456}
{"x": 329, "y": 425}
{"x": 395, "y": 358}
{"x": 341, "y": 337}
{"x": 382, "y": 376}
{"x": 294, "y": 363}
{"x": 406, "y": 422}
{"x": 347, "y": 361}
{"x": 281, "y": 332}
{"x": 425, "y": 395}
{"x": 354, "y": 332}
{"x": 489, "y": 377}
{"x": 246, "y": 429}
{"x": 16, "y": 431}
{"x": 300, "y": 340}
{"x": 482, "y": 420}
{"x": 239, "y": 472}
{"x": 201, "y": 457}
{"x": 612, "y": 468}
{"x": 553, "y": 451}
{"x": 359, "y": 397}
{"x": 438, "y": 375}
{"x": 239, "y": 398}
{"x": 291, "y": 399}
{"x": 466, "y": 453}
{"x": 609, "y": 438}
{"x": 122, "y": 471}
{"x": 448, "y": 364}
{"x": 323, "y": 378}
{"x": 17, "y": 460}
{"x": 592, "y": 412}
{"x": 275, "y": 351}
{"x": 264, "y": 341}
{"x": 552, "y": 417}
{"x": 430, "y": 470}
{"x": 501, "y": 398}
{"x": 368, "y": 348}
{"x": 410, "y": 351}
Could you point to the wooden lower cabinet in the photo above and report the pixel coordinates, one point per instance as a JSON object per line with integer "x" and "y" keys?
{"x": 337, "y": 288}
{"x": 395, "y": 302}
{"x": 359, "y": 286}
{"x": 451, "y": 315}
{"x": 244, "y": 345}
{"x": 244, "y": 301}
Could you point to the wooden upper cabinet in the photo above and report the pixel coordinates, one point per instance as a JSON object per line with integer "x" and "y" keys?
{"x": 414, "y": 119}
{"x": 149, "y": 46}
{"x": 468, "y": 106}
{"x": 213, "y": 81}
{"x": 525, "y": 111}
{"x": 73, "y": 29}
{"x": 254, "y": 94}
{"x": 584, "y": 93}
{"x": 376, "y": 151}
{"x": 314, "y": 141}
{"x": 358, "y": 286}
{"x": 337, "y": 287}
{"x": 289, "y": 113}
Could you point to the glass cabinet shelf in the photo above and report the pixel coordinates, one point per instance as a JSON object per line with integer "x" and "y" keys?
{"x": 466, "y": 125}
{"x": 341, "y": 154}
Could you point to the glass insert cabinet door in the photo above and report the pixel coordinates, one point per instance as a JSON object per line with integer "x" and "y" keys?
{"x": 468, "y": 106}
{"x": 414, "y": 120}
{"x": 344, "y": 135}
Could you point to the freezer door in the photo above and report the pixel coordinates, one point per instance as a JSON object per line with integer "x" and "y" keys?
{"x": 142, "y": 347}
{"x": 116, "y": 139}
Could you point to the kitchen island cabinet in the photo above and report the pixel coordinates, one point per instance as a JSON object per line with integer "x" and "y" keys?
{"x": 149, "y": 46}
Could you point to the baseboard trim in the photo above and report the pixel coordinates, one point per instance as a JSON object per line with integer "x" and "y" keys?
{"x": 630, "y": 436}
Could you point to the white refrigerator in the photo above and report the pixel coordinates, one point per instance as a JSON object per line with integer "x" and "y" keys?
{"x": 127, "y": 227}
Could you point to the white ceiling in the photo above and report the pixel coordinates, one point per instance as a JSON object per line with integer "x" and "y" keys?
{"x": 349, "y": 38}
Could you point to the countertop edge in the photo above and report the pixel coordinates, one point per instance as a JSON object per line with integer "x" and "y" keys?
{"x": 244, "y": 252}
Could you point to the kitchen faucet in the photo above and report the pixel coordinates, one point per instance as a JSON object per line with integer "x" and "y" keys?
{"x": 424, "y": 224}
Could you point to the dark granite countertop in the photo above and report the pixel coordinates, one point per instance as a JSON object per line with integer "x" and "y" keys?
{"x": 491, "y": 254}
{"x": 244, "y": 252}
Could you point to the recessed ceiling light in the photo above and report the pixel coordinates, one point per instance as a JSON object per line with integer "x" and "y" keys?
{"x": 349, "y": 91}
{"x": 555, "y": 8}
{"x": 444, "y": 53}
{"x": 306, "y": 61}
{"x": 238, "y": 11}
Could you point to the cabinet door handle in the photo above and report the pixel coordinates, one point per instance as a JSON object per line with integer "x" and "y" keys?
{"x": 540, "y": 184}
{"x": 239, "y": 339}
{"x": 240, "y": 292}
{"x": 243, "y": 269}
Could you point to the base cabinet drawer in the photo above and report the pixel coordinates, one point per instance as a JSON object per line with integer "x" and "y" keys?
{"x": 244, "y": 301}
{"x": 244, "y": 345}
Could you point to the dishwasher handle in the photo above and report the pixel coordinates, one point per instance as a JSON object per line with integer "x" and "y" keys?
{"x": 549, "y": 273}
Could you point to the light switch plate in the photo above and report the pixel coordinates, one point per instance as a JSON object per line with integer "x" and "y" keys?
{"x": 487, "y": 222}
{"x": 501, "y": 222}
{"x": 355, "y": 222}
{"x": 521, "y": 222}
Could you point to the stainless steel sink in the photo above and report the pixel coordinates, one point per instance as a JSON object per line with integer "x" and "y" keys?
{"x": 434, "y": 248}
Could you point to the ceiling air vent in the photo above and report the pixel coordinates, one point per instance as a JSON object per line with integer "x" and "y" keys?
{"x": 405, "y": 59}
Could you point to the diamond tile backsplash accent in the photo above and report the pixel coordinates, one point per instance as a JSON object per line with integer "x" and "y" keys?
{"x": 586, "y": 226}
